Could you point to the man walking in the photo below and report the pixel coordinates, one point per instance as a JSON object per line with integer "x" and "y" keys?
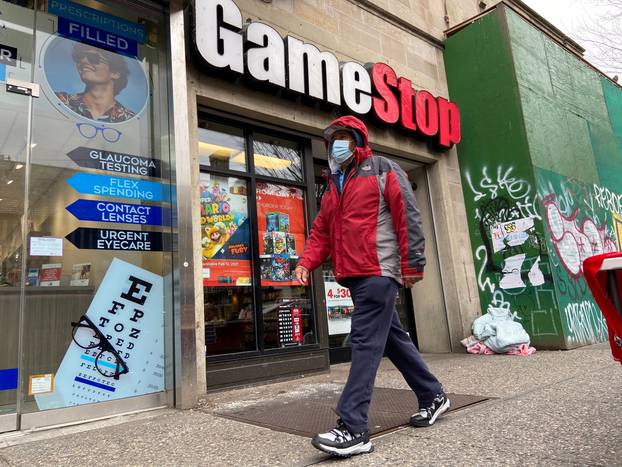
{"x": 370, "y": 226}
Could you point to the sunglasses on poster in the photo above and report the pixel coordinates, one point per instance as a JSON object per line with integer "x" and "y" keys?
{"x": 89, "y": 131}
{"x": 92, "y": 57}
{"x": 87, "y": 336}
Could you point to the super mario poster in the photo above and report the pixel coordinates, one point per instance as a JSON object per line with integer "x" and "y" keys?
{"x": 281, "y": 224}
{"x": 225, "y": 233}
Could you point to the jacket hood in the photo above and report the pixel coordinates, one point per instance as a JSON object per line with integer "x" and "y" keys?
{"x": 349, "y": 122}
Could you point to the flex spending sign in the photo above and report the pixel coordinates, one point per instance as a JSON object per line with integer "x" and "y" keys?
{"x": 256, "y": 50}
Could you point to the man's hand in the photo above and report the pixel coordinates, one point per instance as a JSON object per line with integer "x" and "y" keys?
{"x": 302, "y": 275}
{"x": 410, "y": 281}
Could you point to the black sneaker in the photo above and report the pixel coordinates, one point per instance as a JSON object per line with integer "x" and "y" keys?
{"x": 428, "y": 415}
{"x": 341, "y": 442}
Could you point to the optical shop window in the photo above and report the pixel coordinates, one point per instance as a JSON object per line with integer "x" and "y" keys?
{"x": 253, "y": 231}
{"x": 95, "y": 242}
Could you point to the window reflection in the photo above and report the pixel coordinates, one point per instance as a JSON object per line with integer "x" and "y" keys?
{"x": 277, "y": 157}
{"x": 221, "y": 147}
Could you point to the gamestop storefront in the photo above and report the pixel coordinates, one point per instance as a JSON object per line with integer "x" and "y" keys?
{"x": 259, "y": 94}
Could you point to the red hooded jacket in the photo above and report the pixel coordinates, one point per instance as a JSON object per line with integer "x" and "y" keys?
{"x": 371, "y": 228}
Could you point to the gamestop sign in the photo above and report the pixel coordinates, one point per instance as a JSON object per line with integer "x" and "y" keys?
{"x": 258, "y": 51}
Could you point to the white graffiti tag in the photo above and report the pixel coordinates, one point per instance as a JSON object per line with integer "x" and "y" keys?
{"x": 586, "y": 324}
{"x": 504, "y": 184}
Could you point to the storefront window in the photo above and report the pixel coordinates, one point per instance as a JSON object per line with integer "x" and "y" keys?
{"x": 240, "y": 315}
{"x": 221, "y": 147}
{"x": 277, "y": 157}
{"x": 227, "y": 270}
{"x": 93, "y": 254}
{"x": 287, "y": 310}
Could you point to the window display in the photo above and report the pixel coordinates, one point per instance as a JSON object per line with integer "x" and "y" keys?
{"x": 233, "y": 260}
{"x": 225, "y": 235}
{"x": 85, "y": 297}
{"x": 281, "y": 224}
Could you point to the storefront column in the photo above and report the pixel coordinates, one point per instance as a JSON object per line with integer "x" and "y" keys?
{"x": 190, "y": 380}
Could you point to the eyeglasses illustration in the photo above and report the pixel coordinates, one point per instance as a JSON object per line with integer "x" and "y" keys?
{"x": 108, "y": 361}
{"x": 112, "y": 135}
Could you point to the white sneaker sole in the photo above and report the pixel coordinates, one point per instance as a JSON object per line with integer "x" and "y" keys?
{"x": 441, "y": 410}
{"x": 345, "y": 452}
{"x": 444, "y": 408}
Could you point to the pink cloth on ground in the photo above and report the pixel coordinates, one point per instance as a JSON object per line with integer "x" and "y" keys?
{"x": 479, "y": 348}
{"x": 523, "y": 350}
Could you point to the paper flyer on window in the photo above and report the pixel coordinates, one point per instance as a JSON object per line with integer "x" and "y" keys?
{"x": 128, "y": 309}
{"x": 339, "y": 307}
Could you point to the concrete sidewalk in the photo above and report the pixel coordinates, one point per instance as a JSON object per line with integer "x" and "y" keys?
{"x": 554, "y": 408}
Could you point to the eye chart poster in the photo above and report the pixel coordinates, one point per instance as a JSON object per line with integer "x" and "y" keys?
{"x": 128, "y": 309}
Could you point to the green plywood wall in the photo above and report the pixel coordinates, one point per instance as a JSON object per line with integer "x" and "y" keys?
{"x": 576, "y": 158}
{"x": 505, "y": 226}
{"x": 541, "y": 165}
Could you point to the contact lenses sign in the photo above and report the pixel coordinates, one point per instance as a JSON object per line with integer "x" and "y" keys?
{"x": 117, "y": 347}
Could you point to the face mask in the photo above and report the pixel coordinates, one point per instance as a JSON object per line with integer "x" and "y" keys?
{"x": 340, "y": 150}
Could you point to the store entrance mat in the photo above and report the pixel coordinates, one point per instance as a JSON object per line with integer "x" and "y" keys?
{"x": 390, "y": 409}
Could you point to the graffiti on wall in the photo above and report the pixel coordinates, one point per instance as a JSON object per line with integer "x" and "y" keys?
{"x": 581, "y": 222}
{"x": 585, "y": 323}
{"x": 575, "y": 237}
{"x": 506, "y": 210}
{"x": 510, "y": 251}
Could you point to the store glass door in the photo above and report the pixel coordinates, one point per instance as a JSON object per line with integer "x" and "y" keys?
{"x": 85, "y": 211}
{"x": 16, "y": 46}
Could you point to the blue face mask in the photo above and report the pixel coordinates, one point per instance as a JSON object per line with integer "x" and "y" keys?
{"x": 340, "y": 150}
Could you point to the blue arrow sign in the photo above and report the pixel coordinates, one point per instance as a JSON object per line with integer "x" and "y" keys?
{"x": 119, "y": 213}
{"x": 117, "y": 187}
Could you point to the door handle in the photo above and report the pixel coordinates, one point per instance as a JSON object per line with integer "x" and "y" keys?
{"x": 22, "y": 87}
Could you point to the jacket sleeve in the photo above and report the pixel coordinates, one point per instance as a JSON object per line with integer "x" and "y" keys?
{"x": 400, "y": 198}
{"x": 318, "y": 245}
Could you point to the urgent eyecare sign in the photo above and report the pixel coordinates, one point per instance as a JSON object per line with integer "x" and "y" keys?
{"x": 258, "y": 51}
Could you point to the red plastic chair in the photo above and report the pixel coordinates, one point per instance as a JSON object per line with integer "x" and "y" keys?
{"x": 603, "y": 274}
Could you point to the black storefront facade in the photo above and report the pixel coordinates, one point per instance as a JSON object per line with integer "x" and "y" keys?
{"x": 258, "y": 99}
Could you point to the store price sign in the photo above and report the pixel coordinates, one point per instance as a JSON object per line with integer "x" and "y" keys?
{"x": 337, "y": 295}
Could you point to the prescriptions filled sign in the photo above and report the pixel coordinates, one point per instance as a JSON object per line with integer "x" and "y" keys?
{"x": 225, "y": 233}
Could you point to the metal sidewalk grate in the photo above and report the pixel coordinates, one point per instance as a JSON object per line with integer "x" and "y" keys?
{"x": 390, "y": 409}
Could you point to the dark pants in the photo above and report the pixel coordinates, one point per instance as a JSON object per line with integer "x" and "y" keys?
{"x": 375, "y": 329}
